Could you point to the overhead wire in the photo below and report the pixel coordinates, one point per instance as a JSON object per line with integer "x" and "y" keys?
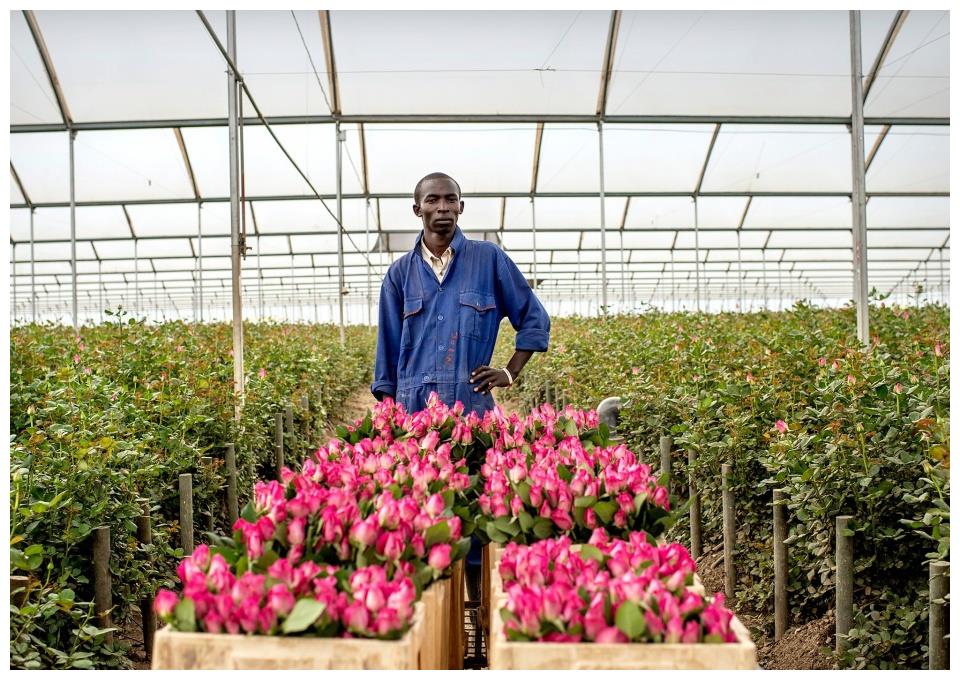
{"x": 270, "y": 131}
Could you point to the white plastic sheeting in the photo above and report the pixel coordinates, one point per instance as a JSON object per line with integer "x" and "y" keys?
{"x": 774, "y": 192}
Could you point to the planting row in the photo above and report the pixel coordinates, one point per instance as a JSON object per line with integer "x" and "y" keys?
{"x": 103, "y": 424}
{"x": 791, "y": 402}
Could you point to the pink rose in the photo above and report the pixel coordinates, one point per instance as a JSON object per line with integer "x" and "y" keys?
{"x": 164, "y": 603}
{"x": 439, "y": 558}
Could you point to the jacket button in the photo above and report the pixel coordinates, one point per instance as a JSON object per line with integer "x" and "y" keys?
{"x": 440, "y": 318}
{"x": 426, "y": 378}
{"x": 442, "y": 347}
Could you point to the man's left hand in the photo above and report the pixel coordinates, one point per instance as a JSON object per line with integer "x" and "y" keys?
{"x": 486, "y": 378}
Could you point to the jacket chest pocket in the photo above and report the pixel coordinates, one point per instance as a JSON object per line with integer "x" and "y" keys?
{"x": 412, "y": 321}
{"x": 478, "y": 314}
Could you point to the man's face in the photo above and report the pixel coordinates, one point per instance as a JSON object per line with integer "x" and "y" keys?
{"x": 439, "y": 207}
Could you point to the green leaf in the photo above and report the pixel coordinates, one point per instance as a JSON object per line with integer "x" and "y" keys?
{"x": 591, "y": 552}
{"x": 543, "y": 527}
{"x": 185, "y": 616}
{"x": 629, "y": 619}
{"x": 523, "y": 490}
{"x": 438, "y": 533}
{"x": 605, "y": 510}
{"x": 304, "y": 613}
{"x": 584, "y": 501}
{"x": 564, "y": 472}
{"x": 526, "y": 521}
{"x": 507, "y": 526}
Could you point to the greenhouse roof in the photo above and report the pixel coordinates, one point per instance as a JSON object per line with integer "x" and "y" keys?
{"x": 725, "y": 141}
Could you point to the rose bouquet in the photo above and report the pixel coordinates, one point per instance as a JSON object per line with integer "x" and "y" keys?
{"x": 542, "y": 478}
{"x": 303, "y": 598}
{"x": 609, "y": 590}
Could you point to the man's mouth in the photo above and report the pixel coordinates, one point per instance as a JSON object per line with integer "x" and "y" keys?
{"x": 443, "y": 222}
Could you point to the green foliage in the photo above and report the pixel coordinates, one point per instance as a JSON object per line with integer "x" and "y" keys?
{"x": 868, "y": 435}
{"x": 103, "y": 424}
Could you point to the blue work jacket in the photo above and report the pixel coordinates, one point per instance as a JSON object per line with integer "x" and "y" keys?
{"x": 432, "y": 335}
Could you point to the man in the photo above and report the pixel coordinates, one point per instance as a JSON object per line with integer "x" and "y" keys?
{"x": 440, "y": 310}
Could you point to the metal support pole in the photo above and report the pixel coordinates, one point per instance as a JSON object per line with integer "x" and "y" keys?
{"x": 696, "y": 247}
{"x": 603, "y": 227}
{"x": 739, "y": 273}
{"x": 33, "y": 281}
{"x": 200, "y": 259}
{"x": 533, "y": 222}
{"x": 673, "y": 282}
{"x": 72, "y": 134}
{"x": 844, "y": 561}
{"x": 278, "y": 443}
{"x": 136, "y": 275}
{"x": 100, "y": 287}
{"x": 780, "y": 603}
{"x": 340, "y": 277}
{"x": 858, "y": 195}
{"x": 366, "y": 220}
{"x": 259, "y": 278}
{"x": 623, "y": 277}
{"x": 235, "y": 246}
{"x": 939, "y": 650}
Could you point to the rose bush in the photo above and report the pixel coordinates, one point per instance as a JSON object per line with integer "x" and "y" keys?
{"x": 791, "y": 400}
{"x": 103, "y": 423}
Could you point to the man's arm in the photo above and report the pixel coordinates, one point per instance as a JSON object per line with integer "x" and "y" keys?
{"x": 528, "y": 317}
{"x": 388, "y": 341}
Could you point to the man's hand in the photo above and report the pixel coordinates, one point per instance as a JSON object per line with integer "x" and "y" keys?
{"x": 486, "y": 378}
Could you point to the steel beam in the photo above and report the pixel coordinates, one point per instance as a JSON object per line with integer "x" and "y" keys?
{"x": 892, "y": 33}
{"x": 607, "y": 69}
{"x": 382, "y": 119}
{"x": 500, "y": 194}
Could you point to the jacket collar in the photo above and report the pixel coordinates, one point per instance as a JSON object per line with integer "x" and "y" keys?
{"x": 457, "y": 243}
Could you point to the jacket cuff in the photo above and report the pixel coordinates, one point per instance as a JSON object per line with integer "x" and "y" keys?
{"x": 533, "y": 340}
{"x": 384, "y": 386}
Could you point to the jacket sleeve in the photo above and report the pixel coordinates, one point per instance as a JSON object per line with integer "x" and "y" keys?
{"x": 526, "y": 313}
{"x": 388, "y": 338}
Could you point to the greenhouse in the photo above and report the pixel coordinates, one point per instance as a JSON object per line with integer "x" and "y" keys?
{"x": 735, "y": 224}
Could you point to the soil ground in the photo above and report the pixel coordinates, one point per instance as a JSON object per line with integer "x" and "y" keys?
{"x": 801, "y": 646}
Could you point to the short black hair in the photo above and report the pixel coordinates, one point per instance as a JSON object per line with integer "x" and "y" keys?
{"x": 432, "y": 175}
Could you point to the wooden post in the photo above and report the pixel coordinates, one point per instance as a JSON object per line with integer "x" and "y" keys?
{"x": 939, "y": 650}
{"x": 666, "y": 444}
{"x": 102, "y": 588}
{"x": 279, "y": 443}
{"x": 288, "y": 411}
{"x": 780, "y": 610}
{"x": 844, "y": 582}
{"x": 729, "y": 533}
{"x": 147, "y": 615}
{"x": 186, "y": 513}
{"x": 230, "y": 461}
{"x": 19, "y": 582}
{"x": 308, "y": 430}
{"x": 207, "y": 462}
{"x": 696, "y": 534}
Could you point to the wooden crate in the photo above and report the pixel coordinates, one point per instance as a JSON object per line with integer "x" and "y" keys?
{"x": 204, "y": 651}
{"x": 430, "y": 646}
{"x": 503, "y": 654}
{"x": 506, "y": 655}
{"x": 455, "y": 624}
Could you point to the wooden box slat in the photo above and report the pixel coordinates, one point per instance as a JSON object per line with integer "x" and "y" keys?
{"x": 173, "y": 650}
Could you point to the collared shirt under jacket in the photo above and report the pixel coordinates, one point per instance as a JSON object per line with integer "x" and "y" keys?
{"x": 432, "y": 335}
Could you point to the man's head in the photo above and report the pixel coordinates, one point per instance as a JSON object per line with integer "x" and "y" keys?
{"x": 436, "y": 200}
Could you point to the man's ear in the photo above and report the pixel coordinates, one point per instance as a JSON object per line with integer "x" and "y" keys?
{"x": 416, "y": 210}
{"x": 461, "y": 207}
